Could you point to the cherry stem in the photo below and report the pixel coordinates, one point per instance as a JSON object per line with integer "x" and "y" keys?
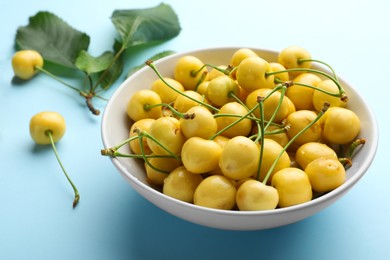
{"x": 262, "y": 130}
{"x": 342, "y": 94}
{"x": 347, "y": 160}
{"x": 252, "y": 116}
{"x": 283, "y": 88}
{"x": 94, "y": 111}
{"x": 147, "y": 107}
{"x": 318, "y": 89}
{"x": 321, "y": 62}
{"x": 113, "y": 151}
{"x": 234, "y": 123}
{"x": 142, "y": 133}
{"x": 154, "y": 68}
{"x": 355, "y": 144}
{"x": 226, "y": 71}
{"x": 88, "y": 96}
{"x": 319, "y": 115}
{"x": 57, "y": 78}
{"x": 76, "y": 193}
{"x": 201, "y": 79}
{"x": 141, "y": 144}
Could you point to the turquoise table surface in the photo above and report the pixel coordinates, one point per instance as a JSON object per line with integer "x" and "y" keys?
{"x": 112, "y": 221}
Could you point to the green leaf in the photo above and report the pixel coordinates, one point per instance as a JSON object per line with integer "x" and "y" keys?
{"x": 154, "y": 58}
{"x": 112, "y": 73}
{"x": 57, "y": 42}
{"x": 142, "y": 26}
{"x": 90, "y": 64}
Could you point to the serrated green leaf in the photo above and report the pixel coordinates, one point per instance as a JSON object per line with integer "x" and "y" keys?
{"x": 142, "y": 26}
{"x": 90, "y": 64}
{"x": 154, "y": 58}
{"x": 57, "y": 42}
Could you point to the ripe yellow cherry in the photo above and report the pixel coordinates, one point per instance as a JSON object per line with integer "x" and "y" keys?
{"x": 44, "y": 122}
{"x": 167, "y": 133}
{"x": 240, "y": 55}
{"x": 239, "y": 158}
{"x": 270, "y": 104}
{"x": 281, "y": 138}
{"x": 184, "y": 71}
{"x": 319, "y": 97}
{"x": 49, "y": 128}
{"x": 214, "y": 73}
{"x": 325, "y": 174}
{"x": 26, "y": 62}
{"x": 300, "y": 119}
{"x": 142, "y": 105}
{"x": 202, "y": 125}
{"x": 282, "y": 76}
{"x": 200, "y": 155}
{"x": 271, "y": 151}
{"x": 340, "y": 125}
{"x": 310, "y": 151}
{"x": 221, "y": 89}
{"x": 202, "y": 88}
{"x": 181, "y": 184}
{"x": 291, "y": 57}
{"x": 217, "y": 192}
{"x": 166, "y": 93}
{"x": 161, "y": 167}
{"x": 142, "y": 125}
{"x": 302, "y": 96}
{"x": 223, "y": 119}
{"x": 293, "y": 186}
{"x": 189, "y": 99}
{"x": 254, "y": 195}
{"x": 252, "y": 74}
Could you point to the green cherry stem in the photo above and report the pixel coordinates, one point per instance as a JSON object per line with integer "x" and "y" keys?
{"x": 355, "y": 144}
{"x": 252, "y": 116}
{"x": 234, "y": 123}
{"x": 154, "y": 68}
{"x": 113, "y": 151}
{"x": 88, "y": 96}
{"x": 320, "y": 62}
{"x": 201, "y": 79}
{"x": 141, "y": 144}
{"x": 226, "y": 71}
{"x": 262, "y": 130}
{"x": 319, "y": 115}
{"x": 58, "y": 79}
{"x": 310, "y": 86}
{"x": 147, "y": 135}
{"x": 318, "y": 89}
{"x": 347, "y": 160}
{"x": 283, "y": 88}
{"x": 342, "y": 94}
{"x": 147, "y": 107}
{"x": 76, "y": 192}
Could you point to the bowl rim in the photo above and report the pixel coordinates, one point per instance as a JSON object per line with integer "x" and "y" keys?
{"x": 323, "y": 198}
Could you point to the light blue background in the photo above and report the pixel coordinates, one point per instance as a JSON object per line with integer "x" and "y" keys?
{"x": 112, "y": 221}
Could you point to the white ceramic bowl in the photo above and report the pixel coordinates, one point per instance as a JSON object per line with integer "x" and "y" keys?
{"x": 115, "y": 129}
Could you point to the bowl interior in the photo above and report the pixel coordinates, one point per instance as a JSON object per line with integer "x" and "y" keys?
{"x": 116, "y": 125}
